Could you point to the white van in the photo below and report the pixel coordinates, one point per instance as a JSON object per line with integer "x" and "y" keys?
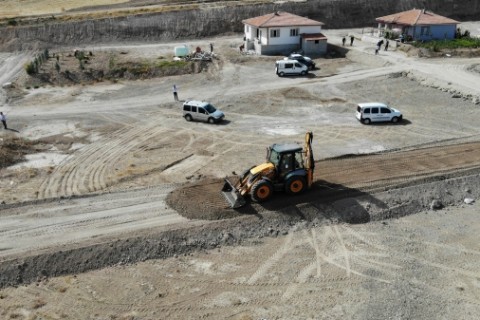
{"x": 201, "y": 111}
{"x": 377, "y": 112}
{"x": 288, "y": 67}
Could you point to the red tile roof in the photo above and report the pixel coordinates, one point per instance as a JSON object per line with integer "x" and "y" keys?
{"x": 280, "y": 19}
{"x": 416, "y": 17}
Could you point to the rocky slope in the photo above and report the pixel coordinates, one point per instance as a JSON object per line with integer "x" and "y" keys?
{"x": 212, "y": 19}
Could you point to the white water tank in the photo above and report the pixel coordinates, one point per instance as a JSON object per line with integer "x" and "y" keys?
{"x": 181, "y": 51}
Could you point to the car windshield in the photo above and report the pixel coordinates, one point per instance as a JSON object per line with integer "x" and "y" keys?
{"x": 210, "y": 108}
{"x": 274, "y": 157}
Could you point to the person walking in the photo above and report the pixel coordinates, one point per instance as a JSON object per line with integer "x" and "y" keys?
{"x": 351, "y": 40}
{"x": 175, "y": 92}
{"x": 343, "y": 41}
{"x": 386, "y": 45}
{"x": 211, "y": 47}
{"x": 3, "y": 118}
{"x": 379, "y": 46}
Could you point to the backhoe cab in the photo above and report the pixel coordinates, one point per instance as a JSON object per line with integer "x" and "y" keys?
{"x": 289, "y": 168}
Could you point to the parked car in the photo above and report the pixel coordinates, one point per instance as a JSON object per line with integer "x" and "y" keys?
{"x": 377, "y": 112}
{"x": 201, "y": 111}
{"x": 290, "y": 67}
{"x": 303, "y": 60}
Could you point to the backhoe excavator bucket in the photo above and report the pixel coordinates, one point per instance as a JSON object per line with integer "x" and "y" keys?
{"x": 231, "y": 194}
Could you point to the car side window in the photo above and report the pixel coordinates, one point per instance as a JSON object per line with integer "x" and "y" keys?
{"x": 187, "y": 108}
{"x": 201, "y": 110}
{"x": 288, "y": 65}
{"x": 298, "y": 65}
{"x": 194, "y": 109}
{"x": 366, "y": 110}
{"x": 374, "y": 110}
{"x": 385, "y": 110}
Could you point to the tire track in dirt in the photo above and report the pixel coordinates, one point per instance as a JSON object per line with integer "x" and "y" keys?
{"x": 89, "y": 169}
{"x": 64, "y": 175}
{"x": 36, "y": 227}
{"x": 274, "y": 259}
{"x": 398, "y": 166}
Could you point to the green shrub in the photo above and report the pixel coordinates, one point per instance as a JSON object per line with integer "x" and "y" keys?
{"x": 438, "y": 45}
{"x": 30, "y": 68}
{"x": 111, "y": 62}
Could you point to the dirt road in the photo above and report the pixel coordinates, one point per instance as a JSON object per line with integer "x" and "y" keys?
{"x": 112, "y": 140}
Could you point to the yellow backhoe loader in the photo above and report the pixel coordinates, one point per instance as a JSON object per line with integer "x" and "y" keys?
{"x": 289, "y": 168}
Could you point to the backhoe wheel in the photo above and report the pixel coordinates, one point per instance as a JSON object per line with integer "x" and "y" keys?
{"x": 261, "y": 191}
{"x": 295, "y": 185}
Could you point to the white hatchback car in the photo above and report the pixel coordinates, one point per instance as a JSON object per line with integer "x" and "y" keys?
{"x": 377, "y": 112}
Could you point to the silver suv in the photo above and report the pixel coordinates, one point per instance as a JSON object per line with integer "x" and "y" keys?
{"x": 377, "y": 112}
{"x": 202, "y": 111}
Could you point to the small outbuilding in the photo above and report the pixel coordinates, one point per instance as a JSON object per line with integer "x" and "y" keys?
{"x": 283, "y": 33}
{"x": 418, "y": 24}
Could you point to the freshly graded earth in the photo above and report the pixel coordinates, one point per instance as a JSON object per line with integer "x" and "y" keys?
{"x": 122, "y": 217}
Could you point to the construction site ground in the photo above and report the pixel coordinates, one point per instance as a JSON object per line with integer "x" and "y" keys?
{"x": 121, "y": 217}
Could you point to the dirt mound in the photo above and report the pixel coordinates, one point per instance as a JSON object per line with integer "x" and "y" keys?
{"x": 78, "y": 67}
{"x": 349, "y": 176}
{"x": 202, "y": 200}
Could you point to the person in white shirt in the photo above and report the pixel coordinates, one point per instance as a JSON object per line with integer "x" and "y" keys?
{"x": 175, "y": 94}
{"x": 3, "y": 118}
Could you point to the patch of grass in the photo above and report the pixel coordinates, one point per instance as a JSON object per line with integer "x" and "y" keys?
{"x": 438, "y": 45}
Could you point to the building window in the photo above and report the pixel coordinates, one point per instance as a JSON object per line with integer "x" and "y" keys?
{"x": 274, "y": 33}
{"x": 294, "y": 32}
{"x": 317, "y": 41}
{"x": 425, "y": 31}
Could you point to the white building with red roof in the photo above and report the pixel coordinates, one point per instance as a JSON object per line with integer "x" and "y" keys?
{"x": 283, "y": 33}
{"x": 418, "y": 24}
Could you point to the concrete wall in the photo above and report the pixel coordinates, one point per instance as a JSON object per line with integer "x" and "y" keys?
{"x": 212, "y": 21}
{"x": 314, "y": 48}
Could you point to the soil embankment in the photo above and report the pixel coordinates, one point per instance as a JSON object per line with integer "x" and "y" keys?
{"x": 210, "y": 20}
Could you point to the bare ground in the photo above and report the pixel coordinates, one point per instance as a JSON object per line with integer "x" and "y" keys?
{"x": 365, "y": 243}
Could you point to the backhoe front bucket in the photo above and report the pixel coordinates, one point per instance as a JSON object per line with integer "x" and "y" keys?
{"x": 231, "y": 194}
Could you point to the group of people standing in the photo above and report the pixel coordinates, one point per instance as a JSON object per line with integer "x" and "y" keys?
{"x": 378, "y": 47}
{"x": 352, "y": 38}
{"x": 380, "y": 44}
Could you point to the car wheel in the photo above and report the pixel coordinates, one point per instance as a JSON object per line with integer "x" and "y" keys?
{"x": 303, "y": 73}
{"x": 295, "y": 185}
{"x": 366, "y": 121}
{"x": 281, "y": 74}
{"x": 262, "y": 190}
{"x": 188, "y": 117}
{"x": 395, "y": 119}
{"x": 211, "y": 120}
